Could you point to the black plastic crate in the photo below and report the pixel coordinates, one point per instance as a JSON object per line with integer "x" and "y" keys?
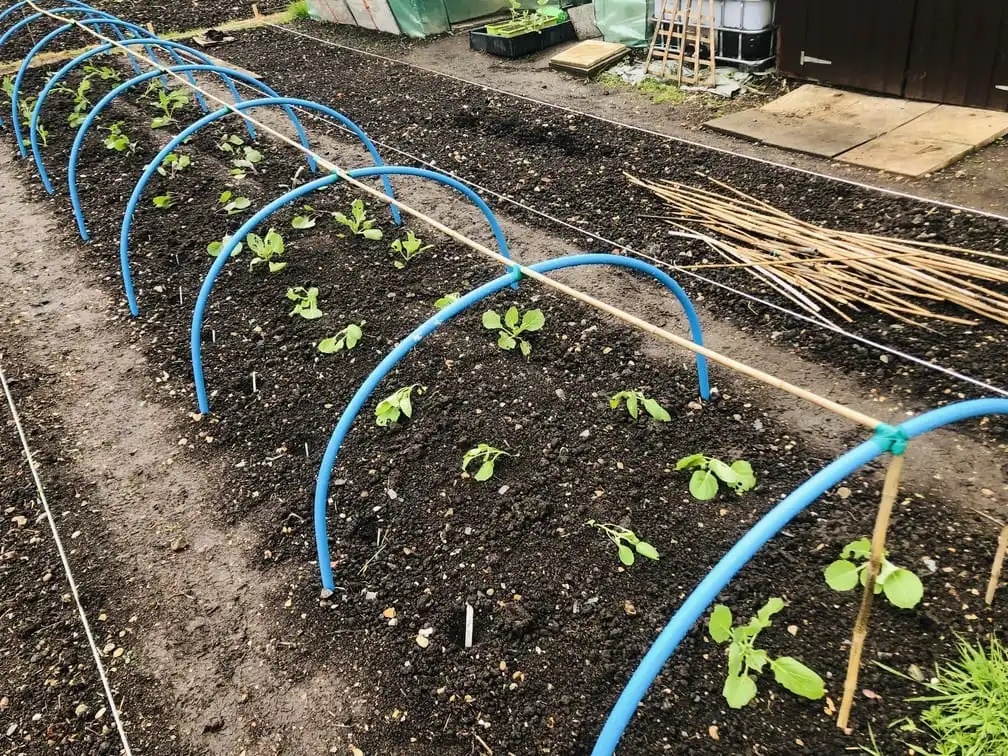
{"x": 748, "y": 50}
{"x": 522, "y": 45}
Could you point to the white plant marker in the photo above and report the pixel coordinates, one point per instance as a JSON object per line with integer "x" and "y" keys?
{"x": 254, "y": 388}
{"x": 213, "y": 335}
{"x": 469, "y": 625}
{"x": 306, "y": 450}
{"x": 180, "y": 295}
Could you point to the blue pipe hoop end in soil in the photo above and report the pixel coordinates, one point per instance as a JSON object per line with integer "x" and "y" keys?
{"x": 195, "y": 340}
{"x": 891, "y": 439}
{"x": 393, "y": 358}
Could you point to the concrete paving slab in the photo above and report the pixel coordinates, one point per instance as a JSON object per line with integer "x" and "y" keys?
{"x": 908, "y": 155}
{"x": 583, "y": 19}
{"x": 821, "y": 121}
{"x": 971, "y": 126}
{"x": 589, "y": 58}
{"x": 823, "y": 138}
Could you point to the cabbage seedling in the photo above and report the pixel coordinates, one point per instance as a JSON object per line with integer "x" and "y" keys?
{"x": 441, "y": 302}
{"x": 164, "y": 201}
{"x": 305, "y": 302}
{"x": 26, "y": 106}
{"x": 228, "y": 143}
{"x": 512, "y": 327}
{"x": 901, "y": 587}
{"x": 250, "y": 156}
{"x": 173, "y": 164}
{"x": 707, "y": 471}
{"x": 636, "y": 398}
{"x": 488, "y": 454}
{"x": 408, "y": 248}
{"x": 307, "y": 220}
{"x": 743, "y": 657}
{"x": 232, "y": 205}
{"x": 214, "y": 248}
{"x": 358, "y": 222}
{"x": 105, "y": 73}
{"x": 392, "y": 407}
{"x": 117, "y": 140}
{"x": 81, "y": 102}
{"x": 168, "y": 102}
{"x": 265, "y": 249}
{"x": 344, "y": 339}
{"x": 624, "y": 538}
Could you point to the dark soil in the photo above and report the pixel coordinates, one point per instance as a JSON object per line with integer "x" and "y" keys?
{"x": 572, "y": 167}
{"x": 559, "y": 623}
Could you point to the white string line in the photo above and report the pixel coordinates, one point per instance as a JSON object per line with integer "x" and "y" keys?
{"x": 650, "y": 132}
{"x": 33, "y": 465}
{"x": 823, "y": 322}
{"x": 513, "y": 265}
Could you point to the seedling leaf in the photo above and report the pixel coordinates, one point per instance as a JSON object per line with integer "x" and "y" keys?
{"x": 485, "y": 472}
{"x": 739, "y": 690}
{"x": 646, "y": 550}
{"x": 656, "y": 410}
{"x": 841, "y": 575}
{"x": 626, "y": 554}
{"x": 903, "y": 589}
{"x": 491, "y": 320}
{"x": 798, "y": 678}
{"x": 703, "y": 485}
{"x": 719, "y": 625}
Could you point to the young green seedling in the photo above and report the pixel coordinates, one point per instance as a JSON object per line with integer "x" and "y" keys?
{"x": 228, "y": 143}
{"x": 169, "y": 102}
{"x": 636, "y": 398}
{"x": 105, "y": 73}
{"x": 81, "y": 102}
{"x": 306, "y": 221}
{"x": 358, "y": 222}
{"x": 344, "y": 339}
{"x": 117, "y": 139}
{"x": 173, "y": 164}
{"x": 624, "y": 538}
{"x": 266, "y": 248}
{"x": 305, "y": 302}
{"x": 743, "y": 657}
{"x": 396, "y": 404}
{"x": 703, "y": 483}
{"x": 26, "y": 107}
{"x": 408, "y": 248}
{"x": 214, "y": 248}
{"x": 441, "y": 302}
{"x": 232, "y": 205}
{"x": 901, "y": 587}
{"x": 250, "y": 157}
{"x": 488, "y": 456}
{"x": 513, "y": 326}
{"x": 164, "y": 201}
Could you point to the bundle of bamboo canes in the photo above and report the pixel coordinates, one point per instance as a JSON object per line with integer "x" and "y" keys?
{"x": 823, "y": 269}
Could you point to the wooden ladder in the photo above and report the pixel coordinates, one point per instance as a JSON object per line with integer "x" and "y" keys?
{"x": 682, "y": 25}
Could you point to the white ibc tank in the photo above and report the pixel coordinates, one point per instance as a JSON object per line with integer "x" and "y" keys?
{"x": 750, "y": 15}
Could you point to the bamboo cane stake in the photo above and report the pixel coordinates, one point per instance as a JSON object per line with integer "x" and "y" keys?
{"x": 999, "y": 558}
{"x": 889, "y": 490}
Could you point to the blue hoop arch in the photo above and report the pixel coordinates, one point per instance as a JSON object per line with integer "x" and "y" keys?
{"x": 101, "y": 104}
{"x": 151, "y": 168}
{"x": 195, "y": 340}
{"x": 72, "y": 7}
{"x": 746, "y": 547}
{"x": 403, "y": 348}
{"x": 89, "y": 22}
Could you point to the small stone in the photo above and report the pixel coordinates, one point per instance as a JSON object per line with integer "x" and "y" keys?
{"x": 561, "y": 395}
{"x": 586, "y": 433}
{"x": 917, "y": 673}
{"x": 81, "y": 710}
{"x": 713, "y": 732}
{"x": 370, "y": 595}
{"x": 389, "y": 613}
{"x": 118, "y": 652}
{"x": 214, "y": 724}
{"x": 629, "y": 608}
{"x": 871, "y": 694}
{"x": 179, "y": 544}
{"x": 843, "y": 492}
{"x": 793, "y": 629}
{"x": 20, "y": 520}
{"x": 422, "y": 641}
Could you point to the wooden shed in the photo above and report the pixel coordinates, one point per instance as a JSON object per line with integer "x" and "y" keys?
{"x": 948, "y": 51}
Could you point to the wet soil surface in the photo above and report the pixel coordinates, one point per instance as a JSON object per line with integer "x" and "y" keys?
{"x": 572, "y": 168}
{"x": 559, "y": 623}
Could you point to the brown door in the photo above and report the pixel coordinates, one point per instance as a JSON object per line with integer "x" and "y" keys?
{"x": 959, "y": 53}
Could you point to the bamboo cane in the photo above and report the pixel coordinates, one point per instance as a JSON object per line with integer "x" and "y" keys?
{"x": 999, "y": 558}
{"x": 889, "y": 490}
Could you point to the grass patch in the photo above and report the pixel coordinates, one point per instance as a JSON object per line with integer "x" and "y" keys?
{"x": 968, "y": 712}
{"x": 298, "y": 10}
{"x": 650, "y": 87}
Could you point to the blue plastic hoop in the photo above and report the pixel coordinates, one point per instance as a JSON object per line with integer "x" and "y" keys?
{"x": 746, "y": 547}
{"x": 195, "y": 341}
{"x": 101, "y": 104}
{"x": 365, "y": 390}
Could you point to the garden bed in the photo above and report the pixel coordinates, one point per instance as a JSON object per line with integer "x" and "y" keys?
{"x": 572, "y": 168}
{"x": 560, "y": 623}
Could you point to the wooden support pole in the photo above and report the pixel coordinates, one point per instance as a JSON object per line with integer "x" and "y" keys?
{"x": 999, "y": 558}
{"x": 889, "y": 491}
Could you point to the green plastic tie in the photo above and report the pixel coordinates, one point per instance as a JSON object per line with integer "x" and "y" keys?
{"x": 891, "y": 438}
